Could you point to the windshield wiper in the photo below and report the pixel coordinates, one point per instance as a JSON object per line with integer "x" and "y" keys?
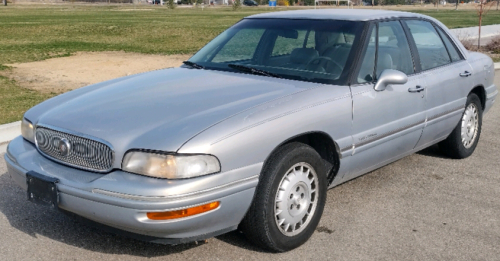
{"x": 252, "y": 70}
{"x": 194, "y": 65}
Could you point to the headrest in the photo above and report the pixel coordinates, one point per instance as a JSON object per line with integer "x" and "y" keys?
{"x": 384, "y": 62}
{"x": 326, "y": 39}
{"x": 303, "y": 55}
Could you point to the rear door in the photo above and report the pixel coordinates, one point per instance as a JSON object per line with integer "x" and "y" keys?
{"x": 386, "y": 124}
{"x": 444, "y": 71}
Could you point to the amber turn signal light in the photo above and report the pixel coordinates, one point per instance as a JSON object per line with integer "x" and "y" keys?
{"x": 183, "y": 212}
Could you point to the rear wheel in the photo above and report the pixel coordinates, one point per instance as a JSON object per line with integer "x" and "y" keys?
{"x": 289, "y": 199}
{"x": 464, "y": 138}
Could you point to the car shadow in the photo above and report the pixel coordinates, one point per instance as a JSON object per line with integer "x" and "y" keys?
{"x": 36, "y": 220}
{"x": 433, "y": 151}
{"x": 238, "y": 239}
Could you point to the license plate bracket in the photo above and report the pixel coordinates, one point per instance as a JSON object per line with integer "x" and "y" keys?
{"x": 42, "y": 189}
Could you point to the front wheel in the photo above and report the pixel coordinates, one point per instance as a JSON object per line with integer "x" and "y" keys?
{"x": 289, "y": 199}
{"x": 464, "y": 138}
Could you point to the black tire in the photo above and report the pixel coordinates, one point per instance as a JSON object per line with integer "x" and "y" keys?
{"x": 453, "y": 145}
{"x": 259, "y": 224}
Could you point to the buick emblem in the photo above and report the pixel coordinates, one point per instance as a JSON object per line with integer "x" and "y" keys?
{"x": 64, "y": 147}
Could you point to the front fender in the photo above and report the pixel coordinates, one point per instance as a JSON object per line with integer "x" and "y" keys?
{"x": 249, "y": 137}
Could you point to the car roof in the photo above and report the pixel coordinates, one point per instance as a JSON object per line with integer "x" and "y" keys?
{"x": 338, "y": 14}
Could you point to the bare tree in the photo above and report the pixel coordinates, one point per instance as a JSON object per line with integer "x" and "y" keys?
{"x": 482, "y": 9}
{"x": 435, "y": 3}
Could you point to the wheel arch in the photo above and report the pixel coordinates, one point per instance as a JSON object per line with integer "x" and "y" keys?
{"x": 481, "y": 93}
{"x": 322, "y": 143}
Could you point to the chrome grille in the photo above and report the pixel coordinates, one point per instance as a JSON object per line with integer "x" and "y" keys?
{"x": 74, "y": 150}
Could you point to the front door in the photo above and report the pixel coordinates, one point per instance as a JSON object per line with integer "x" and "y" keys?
{"x": 386, "y": 124}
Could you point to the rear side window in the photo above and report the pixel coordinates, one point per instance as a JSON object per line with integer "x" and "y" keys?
{"x": 430, "y": 48}
{"x": 452, "y": 49}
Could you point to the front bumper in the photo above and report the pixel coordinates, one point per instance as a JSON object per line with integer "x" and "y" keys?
{"x": 121, "y": 200}
{"x": 491, "y": 94}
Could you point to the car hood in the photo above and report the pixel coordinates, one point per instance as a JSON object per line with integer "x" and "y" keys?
{"x": 161, "y": 110}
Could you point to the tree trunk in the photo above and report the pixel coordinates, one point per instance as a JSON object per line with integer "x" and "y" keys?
{"x": 480, "y": 21}
{"x": 5, "y": 3}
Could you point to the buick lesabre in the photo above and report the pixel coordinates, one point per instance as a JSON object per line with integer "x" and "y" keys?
{"x": 254, "y": 128}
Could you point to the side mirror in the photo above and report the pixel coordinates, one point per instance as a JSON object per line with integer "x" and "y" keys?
{"x": 389, "y": 76}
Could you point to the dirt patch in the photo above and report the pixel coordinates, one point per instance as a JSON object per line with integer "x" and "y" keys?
{"x": 84, "y": 68}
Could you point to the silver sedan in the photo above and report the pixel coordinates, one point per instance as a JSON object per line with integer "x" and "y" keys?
{"x": 252, "y": 130}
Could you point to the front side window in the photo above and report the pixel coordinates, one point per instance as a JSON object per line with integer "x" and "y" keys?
{"x": 299, "y": 49}
{"x": 367, "y": 66}
{"x": 393, "y": 52}
{"x": 431, "y": 49}
{"x": 393, "y": 49}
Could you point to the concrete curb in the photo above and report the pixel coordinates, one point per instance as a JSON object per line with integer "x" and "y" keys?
{"x": 9, "y": 131}
{"x": 3, "y": 148}
{"x": 472, "y": 33}
{"x": 497, "y": 67}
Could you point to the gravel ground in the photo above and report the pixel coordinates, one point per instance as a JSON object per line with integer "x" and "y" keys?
{"x": 84, "y": 68}
{"x": 423, "y": 207}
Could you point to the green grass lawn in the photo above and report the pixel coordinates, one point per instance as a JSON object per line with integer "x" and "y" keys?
{"x": 37, "y": 32}
{"x": 32, "y": 33}
{"x": 15, "y": 100}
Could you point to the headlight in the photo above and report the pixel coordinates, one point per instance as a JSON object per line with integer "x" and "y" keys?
{"x": 27, "y": 131}
{"x": 169, "y": 166}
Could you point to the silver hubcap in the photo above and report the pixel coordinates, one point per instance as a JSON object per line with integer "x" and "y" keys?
{"x": 470, "y": 122}
{"x": 296, "y": 199}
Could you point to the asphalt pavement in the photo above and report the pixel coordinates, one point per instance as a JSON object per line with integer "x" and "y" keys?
{"x": 422, "y": 207}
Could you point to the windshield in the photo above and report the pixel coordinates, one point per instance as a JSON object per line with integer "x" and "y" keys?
{"x": 308, "y": 50}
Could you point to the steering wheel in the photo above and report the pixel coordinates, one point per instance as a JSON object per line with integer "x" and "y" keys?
{"x": 321, "y": 62}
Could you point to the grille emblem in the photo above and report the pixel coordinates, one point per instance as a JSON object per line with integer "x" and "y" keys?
{"x": 73, "y": 150}
{"x": 64, "y": 147}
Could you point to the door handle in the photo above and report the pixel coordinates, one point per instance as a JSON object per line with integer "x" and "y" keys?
{"x": 465, "y": 74}
{"x": 418, "y": 88}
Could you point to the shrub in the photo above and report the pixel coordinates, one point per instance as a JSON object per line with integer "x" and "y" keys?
{"x": 170, "y": 4}
{"x": 469, "y": 44}
{"x": 494, "y": 45}
{"x": 236, "y": 4}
